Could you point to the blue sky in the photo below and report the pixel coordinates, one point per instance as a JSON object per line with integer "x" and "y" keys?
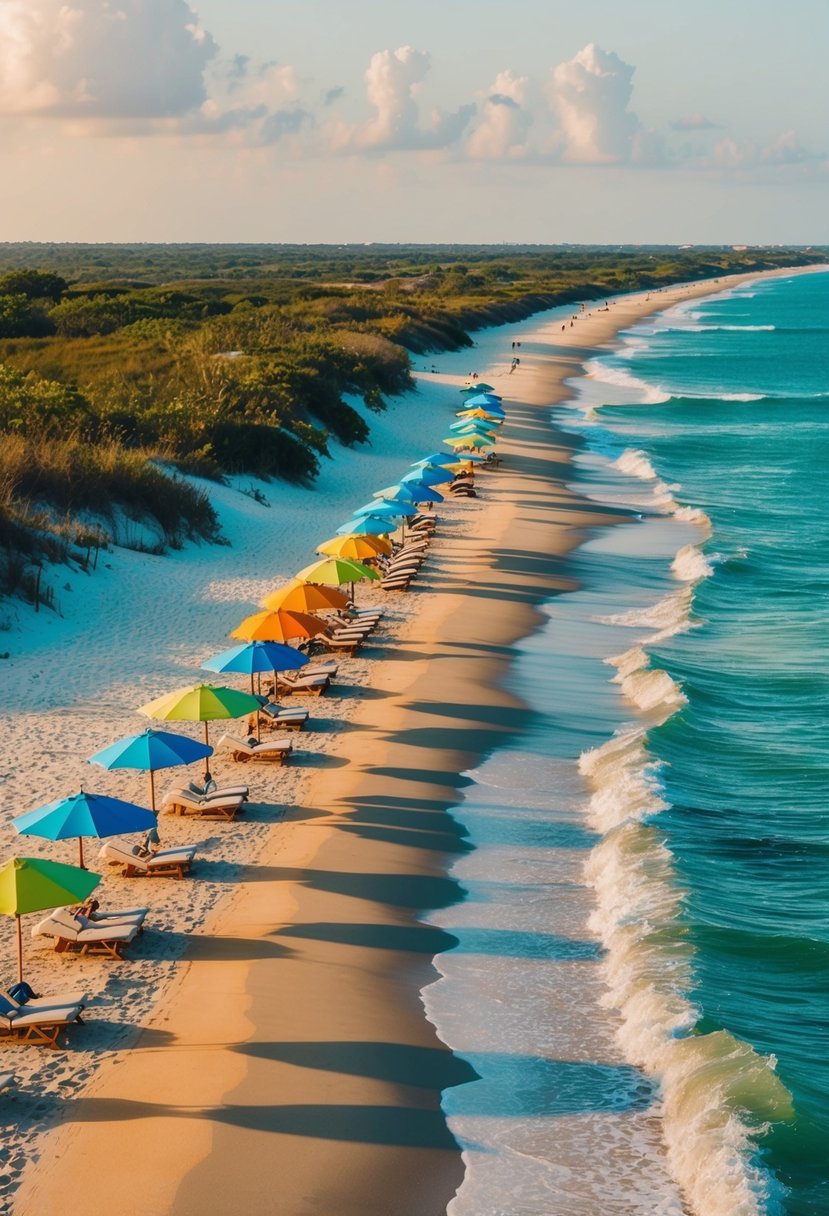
{"x": 354, "y": 120}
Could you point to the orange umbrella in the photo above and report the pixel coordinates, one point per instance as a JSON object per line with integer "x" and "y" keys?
{"x": 278, "y": 626}
{"x": 299, "y": 596}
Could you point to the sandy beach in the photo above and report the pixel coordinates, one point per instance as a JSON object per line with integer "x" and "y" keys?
{"x": 267, "y": 1048}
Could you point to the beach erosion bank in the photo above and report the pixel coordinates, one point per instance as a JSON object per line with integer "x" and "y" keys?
{"x": 290, "y": 1062}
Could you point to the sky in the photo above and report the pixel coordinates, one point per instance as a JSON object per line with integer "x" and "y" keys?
{"x": 588, "y": 121}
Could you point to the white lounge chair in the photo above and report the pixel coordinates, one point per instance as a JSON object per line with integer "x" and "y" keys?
{"x": 276, "y": 751}
{"x": 71, "y": 935}
{"x": 304, "y": 685}
{"x": 166, "y": 863}
{"x": 208, "y": 806}
{"x": 39, "y": 1025}
{"x": 277, "y": 717}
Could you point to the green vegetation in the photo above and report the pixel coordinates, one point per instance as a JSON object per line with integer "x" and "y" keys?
{"x": 124, "y": 367}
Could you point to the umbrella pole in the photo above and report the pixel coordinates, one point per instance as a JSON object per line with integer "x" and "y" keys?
{"x": 80, "y": 853}
{"x": 152, "y": 791}
{"x": 206, "y": 744}
{"x": 19, "y": 949}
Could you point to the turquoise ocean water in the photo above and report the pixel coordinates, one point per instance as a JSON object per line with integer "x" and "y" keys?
{"x": 674, "y": 776}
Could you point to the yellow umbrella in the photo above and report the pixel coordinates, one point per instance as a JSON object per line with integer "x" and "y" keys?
{"x": 356, "y": 547}
{"x": 492, "y": 419}
{"x": 278, "y": 626}
{"x": 299, "y": 596}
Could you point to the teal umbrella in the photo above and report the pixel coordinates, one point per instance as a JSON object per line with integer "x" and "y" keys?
{"x": 151, "y": 750}
{"x": 84, "y": 815}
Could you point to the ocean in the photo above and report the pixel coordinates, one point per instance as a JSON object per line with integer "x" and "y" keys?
{"x": 671, "y": 787}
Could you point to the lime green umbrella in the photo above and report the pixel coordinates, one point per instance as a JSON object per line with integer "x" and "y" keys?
{"x": 468, "y": 441}
{"x": 334, "y": 571}
{"x": 204, "y": 703}
{"x": 31, "y": 884}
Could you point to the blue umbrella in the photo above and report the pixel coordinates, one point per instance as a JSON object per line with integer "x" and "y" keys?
{"x": 412, "y": 491}
{"x": 482, "y": 399}
{"x": 150, "y": 750}
{"x": 367, "y": 525}
{"x": 84, "y": 815}
{"x": 426, "y": 476}
{"x": 391, "y": 510}
{"x": 254, "y": 657}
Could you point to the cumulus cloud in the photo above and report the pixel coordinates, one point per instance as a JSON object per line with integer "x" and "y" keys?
{"x": 694, "y": 122}
{"x": 590, "y": 94}
{"x": 393, "y": 84}
{"x": 505, "y": 122}
{"x": 787, "y": 149}
{"x": 108, "y": 59}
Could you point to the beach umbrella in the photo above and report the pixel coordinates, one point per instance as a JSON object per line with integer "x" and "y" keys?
{"x": 426, "y": 475}
{"x": 334, "y": 571}
{"x": 252, "y": 658}
{"x": 299, "y": 596}
{"x": 469, "y": 441}
{"x": 441, "y": 460}
{"x": 392, "y": 510}
{"x": 490, "y": 414}
{"x": 360, "y": 548}
{"x": 483, "y": 399}
{"x": 367, "y": 525}
{"x": 478, "y": 387}
{"x": 84, "y": 815}
{"x": 30, "y": 884}
{"x": 279, "y": 625}
{"x": 205, "y": 703}
{"x": 471, "y": 426}
{"x": 151, "y": 750}
{"x": 412, "y": 491}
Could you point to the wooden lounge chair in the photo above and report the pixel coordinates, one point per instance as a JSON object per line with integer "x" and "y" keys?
{"x": 276, "y": 752}
{"x": 38, "y": 1025}
{"x": 303, "y": 686}
{"x": 344, "y": 645}
{"x": 208, "y": 806}
{"x": 72, "y": 936}
{"x": 166, "y": 863}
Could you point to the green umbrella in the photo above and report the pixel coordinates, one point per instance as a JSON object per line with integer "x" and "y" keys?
{"x": 204, "y": 703}
{"x": 30, "y": 884}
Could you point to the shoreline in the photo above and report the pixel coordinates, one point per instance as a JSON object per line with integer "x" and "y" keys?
{"x": 476, "y": 597}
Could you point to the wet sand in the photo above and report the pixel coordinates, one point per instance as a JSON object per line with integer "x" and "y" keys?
{"x": 292, "y": 1068}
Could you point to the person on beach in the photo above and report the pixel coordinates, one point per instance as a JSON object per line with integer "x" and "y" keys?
{"x": 152, "y": 842}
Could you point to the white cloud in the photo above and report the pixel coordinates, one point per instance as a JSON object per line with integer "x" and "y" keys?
{"x": 108, "y": 59}
{"x": 694, "y": 122}
{"x": 393, "y": 83}
{"x": 590, "y": 94}
{"x": 787, "y": 149}
{"x": 505, "y": 122}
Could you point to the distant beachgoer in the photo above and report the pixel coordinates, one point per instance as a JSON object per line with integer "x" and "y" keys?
{"x": 563, "y": 328}
{"x": 571, "y": 324}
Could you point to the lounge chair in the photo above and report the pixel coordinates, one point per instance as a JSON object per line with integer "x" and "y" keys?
{"x": 7, "y": 1080}
{"x": 229, "y": 791}
{"x": 50, "y": 927}
{"x": 126, "y": 916}
{"x": 208, "y": 806}
{"x": 398, "y": 583}
{"x": 9, "y": 1002}
{"x": 166, "y": 863}
{"x": 303, "y": 686}
{"x": 276, "y": 752}
{"x": 276, "y": 717}
{"x": 348, "y": 645}
{"x": 72, "y": 935}
{"x": 37, "y": 1025}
